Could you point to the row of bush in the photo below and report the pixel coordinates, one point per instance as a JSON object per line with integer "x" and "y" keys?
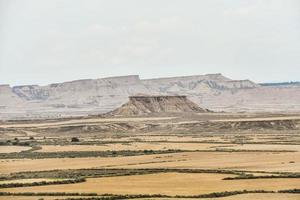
{"x": 85, "y": 173}
{"x": 250, "y": 176}
{"x": 46, "y": 194}
{"x": 57, "y": 182}
{"x": 81, "y": 154}
{"x": 94, "y": 196}
{"x": 296, "y": 191}
{"x": 32, "y": 154}
{"x": 78, "y": 173}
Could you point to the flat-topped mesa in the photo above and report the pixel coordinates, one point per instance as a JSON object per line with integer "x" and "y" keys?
{"x": 143, "y": 105}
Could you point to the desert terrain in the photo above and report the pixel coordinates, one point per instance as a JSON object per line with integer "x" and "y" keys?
{"x": 149, "y": 100}
{"x": 144, "y": 151}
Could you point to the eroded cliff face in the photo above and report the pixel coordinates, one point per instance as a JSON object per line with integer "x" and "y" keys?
{"x": 8, "y": 98}
{"x": 142, "y": 105}
{"x": 210, "y": 83}
{"x": 96, "y": 96}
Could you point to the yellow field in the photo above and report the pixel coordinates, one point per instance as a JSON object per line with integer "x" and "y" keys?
{"x": 164, "y": 146}
{"x": 10, "y": 149}
{"x": 258, "y": 150}
{"x": 165, "y": 183}
{"x": 262, "y": 147}
{"x": 133, "y": 146}
{"x": 235, "y": 197}
{"x": 261, "y": 161}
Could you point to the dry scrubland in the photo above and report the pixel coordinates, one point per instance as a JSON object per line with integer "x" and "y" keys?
{"x": 260, "y": 152}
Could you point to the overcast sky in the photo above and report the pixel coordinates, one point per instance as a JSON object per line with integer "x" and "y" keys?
{"x": 45, "y": 41}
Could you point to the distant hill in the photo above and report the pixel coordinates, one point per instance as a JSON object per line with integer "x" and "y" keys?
{"x": 143, "y": 105}
{"x": 95, "y": 96}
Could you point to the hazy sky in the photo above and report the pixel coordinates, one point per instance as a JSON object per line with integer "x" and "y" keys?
{"x": 45, "y": 41}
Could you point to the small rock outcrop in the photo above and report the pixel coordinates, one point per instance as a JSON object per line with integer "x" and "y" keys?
{"x": 142, "y": 105}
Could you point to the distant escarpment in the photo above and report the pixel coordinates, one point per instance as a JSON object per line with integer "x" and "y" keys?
{"x": 96, "y": 96}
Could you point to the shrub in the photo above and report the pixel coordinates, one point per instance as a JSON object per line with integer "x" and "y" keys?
{"x": 74, "y": 139}
{"x": 69, "y": 181}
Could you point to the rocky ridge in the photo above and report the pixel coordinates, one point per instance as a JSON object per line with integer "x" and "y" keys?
{"x": 95, "y": 96}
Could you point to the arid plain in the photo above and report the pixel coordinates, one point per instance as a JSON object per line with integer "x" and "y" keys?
{"x": 157, "y": 156}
